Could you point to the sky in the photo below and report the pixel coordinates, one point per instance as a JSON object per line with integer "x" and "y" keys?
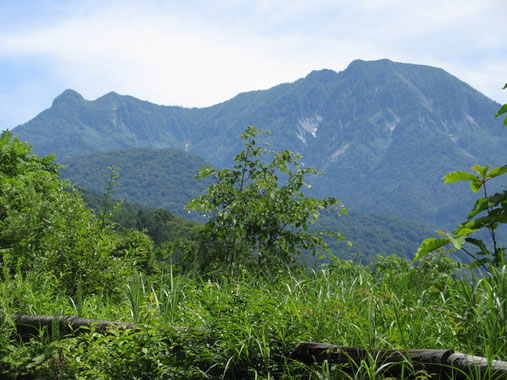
{"x": 199, "y": 53}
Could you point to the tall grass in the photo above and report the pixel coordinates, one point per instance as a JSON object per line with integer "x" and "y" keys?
{"x": 246, "y": 327}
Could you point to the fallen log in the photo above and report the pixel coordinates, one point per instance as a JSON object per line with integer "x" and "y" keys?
{"x": 441, "y": 362}
{"x": 30, "y": 325}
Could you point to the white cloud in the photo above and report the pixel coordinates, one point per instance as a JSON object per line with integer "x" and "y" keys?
{"x": 163, "y": 57}
{"x": 201, "y": 53}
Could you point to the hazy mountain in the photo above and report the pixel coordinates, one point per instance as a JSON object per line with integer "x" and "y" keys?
{"x": 385, "y": 132}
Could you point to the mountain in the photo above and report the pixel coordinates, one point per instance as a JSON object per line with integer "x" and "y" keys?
{"x": 385, "y": 133}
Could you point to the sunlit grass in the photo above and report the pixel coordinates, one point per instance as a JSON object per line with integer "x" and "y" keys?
{"x": 247, "y": 326}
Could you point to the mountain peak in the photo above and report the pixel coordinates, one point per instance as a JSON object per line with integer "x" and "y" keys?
{"x": 384, "y": 131}
{"x": 383, "y": 61}
{"x": 110, "y": 99}
{"x": 360, "y": 65}
{"x": 68, "y": 96}
{"x": 322, "y": 75}
{"x": 110, "y": 95}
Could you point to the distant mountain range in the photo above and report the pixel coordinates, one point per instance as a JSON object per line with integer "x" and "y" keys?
{"x": 384, "y": 132}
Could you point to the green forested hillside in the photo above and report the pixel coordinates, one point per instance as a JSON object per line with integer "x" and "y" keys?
{"x": 162, "y": 178}
{"x": 159, "y": 224}
{"x": 372, "y": 235}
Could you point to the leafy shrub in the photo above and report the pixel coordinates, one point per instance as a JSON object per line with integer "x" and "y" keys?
{"x": 259, "y": 214}
{"x": 46, "y": 227}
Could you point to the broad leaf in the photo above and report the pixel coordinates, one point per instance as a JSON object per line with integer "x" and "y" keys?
{"x": 483, "y": 204}
{"x": 482, "y": 170}
{"x": 475, "y": 186}
{"x": 489, "y": 221}
{"x": 457, "y": 241}
{"x": 429, "y": 245}
{"x": 501, "y": 111}
{"x": 478, "y": 243}
{"x": 460, "y": 176}
{"x": 465, "y": 231}
{"x": 497, "y": 171}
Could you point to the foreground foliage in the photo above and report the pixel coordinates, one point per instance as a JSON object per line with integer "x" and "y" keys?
{"x": 46, "y": 227}
{"x": 488, "y": 213}
{"x": 258, "y": 212}
{"x": 61, "y": 258}
{"x": 246, "y": 327}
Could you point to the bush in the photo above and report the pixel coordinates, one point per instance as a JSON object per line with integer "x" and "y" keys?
{"x": 46, "y": 227}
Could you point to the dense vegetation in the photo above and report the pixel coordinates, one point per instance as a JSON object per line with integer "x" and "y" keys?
{"x": 245, "y": 313}
{"x": 159, "y": 224}
{"x": 164, "y": 178}
{"x": 46, "y": 227}
{"x": 246, "y": 327}
{"x": 161, "y": 178}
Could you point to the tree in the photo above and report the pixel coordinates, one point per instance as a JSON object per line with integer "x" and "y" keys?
{"x": 46, "y": 227}
{"x": 489, "y": 211}
{"x": 253, "y": 219}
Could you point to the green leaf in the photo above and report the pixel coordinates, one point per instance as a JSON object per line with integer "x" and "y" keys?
{"x": 478, "y": 243}
{"x": 457, "y": 241}
{"x": 475, "y": 186}
{"x": 478, "y": 263}
{"x": 460, "y": 176}
{"x": 483, "y": 204}
{"x": 465, "y": 231}
{"x": 489, "y": 221}
{"x": 428, "y": 246}
{"x": 497, "y": 171}
{"x": 482, "y": 170}
{"x": 39, "y": 359}
{"x": 501, "y": 111}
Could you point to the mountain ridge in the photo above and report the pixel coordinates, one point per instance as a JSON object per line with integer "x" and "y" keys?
{"x": 385, "y": 132}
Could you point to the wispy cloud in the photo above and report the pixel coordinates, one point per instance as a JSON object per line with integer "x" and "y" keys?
{"x": 198, "y": 53}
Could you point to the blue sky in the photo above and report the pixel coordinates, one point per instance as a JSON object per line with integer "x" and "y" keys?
{"x": 199, "y": 53}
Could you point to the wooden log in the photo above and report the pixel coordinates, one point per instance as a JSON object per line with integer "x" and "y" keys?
{"x": 442, "y": 362}
{"x": 472, "y": 364}
{"x": 30, "y": 325}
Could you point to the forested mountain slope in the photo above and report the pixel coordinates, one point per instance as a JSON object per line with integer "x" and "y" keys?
{"x": 385, "y": 133}
{"x": 162, "y": 178}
